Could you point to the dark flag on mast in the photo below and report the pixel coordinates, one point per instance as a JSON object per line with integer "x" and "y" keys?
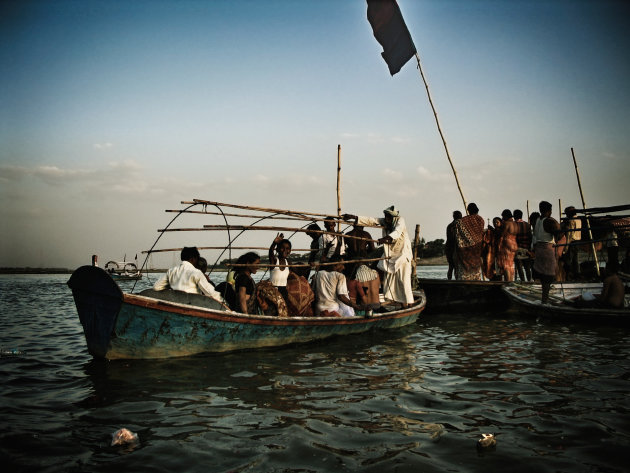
{"x": 391, "y": 31}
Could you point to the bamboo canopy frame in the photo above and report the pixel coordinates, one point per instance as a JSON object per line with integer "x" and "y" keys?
{"x": 293, "y": 213}
{"x": 279, "y": 213}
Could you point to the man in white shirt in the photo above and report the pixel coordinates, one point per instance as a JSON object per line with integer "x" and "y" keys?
{"x": 331, "y": 290}
{"x": 330, "y": 245}
{"x": 187, "y": 278}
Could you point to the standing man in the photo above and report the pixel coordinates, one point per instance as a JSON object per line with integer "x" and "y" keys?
{"x": 397, "y": 247}
{"x": 449, "y": 247}
{"x": 523, "y": 260}
{"x": 573, "y": 229}
{"x": 545, "y": 264}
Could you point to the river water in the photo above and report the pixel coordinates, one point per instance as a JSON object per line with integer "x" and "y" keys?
{"x": 410, "y": 399}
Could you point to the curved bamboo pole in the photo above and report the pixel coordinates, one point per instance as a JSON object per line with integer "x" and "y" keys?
{"x": 264, "y": 228}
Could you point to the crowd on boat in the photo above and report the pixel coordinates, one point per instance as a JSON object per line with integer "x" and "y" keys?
{"x": 346, "y": 274}
{"x": 540, "y": 248}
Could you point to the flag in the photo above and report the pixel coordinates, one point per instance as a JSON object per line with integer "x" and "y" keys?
{"x": 391, "y": 32}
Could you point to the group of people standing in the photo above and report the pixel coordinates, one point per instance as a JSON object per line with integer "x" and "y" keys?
{"x": 336, "y": 288}
{"x": 541, "y": 248}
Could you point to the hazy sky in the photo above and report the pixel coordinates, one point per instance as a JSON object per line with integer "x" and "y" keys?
{"x": 113, "y": 111}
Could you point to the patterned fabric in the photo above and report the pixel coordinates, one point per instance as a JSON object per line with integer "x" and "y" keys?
{"x": 267, "y": 300}
{"x": 300, "y": 296}
{"x": 469, "y": 239}
{"x": 622, "y": 229}
{"x": 524, "y": 235}
{"x": 469, "y": 231}
{"x": 365, "y": 274}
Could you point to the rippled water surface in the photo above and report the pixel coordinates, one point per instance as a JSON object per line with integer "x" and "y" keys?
{"x": 411, "y": 399}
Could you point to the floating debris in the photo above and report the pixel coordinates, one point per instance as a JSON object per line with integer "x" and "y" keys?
{"x": 124, "y": 437}
{"x": 10, "y": 352}
{"x": 487, "y": 441}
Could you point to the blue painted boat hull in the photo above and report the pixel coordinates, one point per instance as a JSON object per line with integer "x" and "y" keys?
{"x": 136, "y": 326}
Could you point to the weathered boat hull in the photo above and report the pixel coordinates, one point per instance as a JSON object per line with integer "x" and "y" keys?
{"x": 460, "y": 297}
{"x": 140, "y": 326}
{"x": 527, "y": 300}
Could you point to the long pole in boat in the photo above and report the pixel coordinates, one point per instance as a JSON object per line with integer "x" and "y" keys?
{"x": 414, "y": 264}
{"x": 588, "y": 225}
{"x": 528, "y": 214}
{"x": 437, "y": 121}
{"x": 339, "y": 187}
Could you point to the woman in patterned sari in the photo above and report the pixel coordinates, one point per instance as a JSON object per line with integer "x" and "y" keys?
{"x": 469, "y": 242}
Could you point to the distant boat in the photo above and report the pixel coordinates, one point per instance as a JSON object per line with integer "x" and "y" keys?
{"x": 561, "y": 306}
{"x": 165, "y": 324}
{"x": 123, "y": 270}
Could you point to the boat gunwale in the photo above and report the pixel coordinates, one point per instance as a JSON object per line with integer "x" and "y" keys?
{"x": 237, "y": 317}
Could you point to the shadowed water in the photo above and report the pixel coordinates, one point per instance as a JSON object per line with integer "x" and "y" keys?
{"x": 411, "y": 399}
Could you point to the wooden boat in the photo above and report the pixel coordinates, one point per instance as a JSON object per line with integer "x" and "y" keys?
{"x": 527, "y": 299}
{"x": 448, "y": 296}
{"x": 165, "y": 324}
{"x": 123, "y": 270}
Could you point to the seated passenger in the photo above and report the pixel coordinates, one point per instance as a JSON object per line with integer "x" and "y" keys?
{"x": 279, "y": 275}
{"x": 331, "y": 291}
{"x": 202, "y": 265}
{"x": 244, "y": 284}
{"x": 356, "y": 292}
{"x": 187, "y": 278}
{"x": 371, "y": 282}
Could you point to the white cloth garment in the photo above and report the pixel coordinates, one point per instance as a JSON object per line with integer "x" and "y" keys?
{"x": 187, "y": 278}
{"x": 397, "y": 268}
{"x": 278, "y": 275}
{"x": 329, "y": 284}
{"x": 328, "y": 245}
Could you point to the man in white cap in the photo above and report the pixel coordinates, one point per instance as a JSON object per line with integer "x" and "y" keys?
{"x": 397, "y": 246}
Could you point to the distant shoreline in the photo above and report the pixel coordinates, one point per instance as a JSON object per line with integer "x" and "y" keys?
{"x": 435, "y": 261}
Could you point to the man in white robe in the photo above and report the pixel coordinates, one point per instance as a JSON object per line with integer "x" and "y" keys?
{"x": 397, "y": 247}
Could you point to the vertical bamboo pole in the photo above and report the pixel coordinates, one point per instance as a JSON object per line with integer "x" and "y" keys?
{"x": 414, "y": 264}
{"x": 528, "y": 214}
{"x": 588, "y": 225}
{"x": 339, "y": 187}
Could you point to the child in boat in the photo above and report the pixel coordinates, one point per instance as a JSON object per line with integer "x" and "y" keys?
{"x": 279, "y": 252}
